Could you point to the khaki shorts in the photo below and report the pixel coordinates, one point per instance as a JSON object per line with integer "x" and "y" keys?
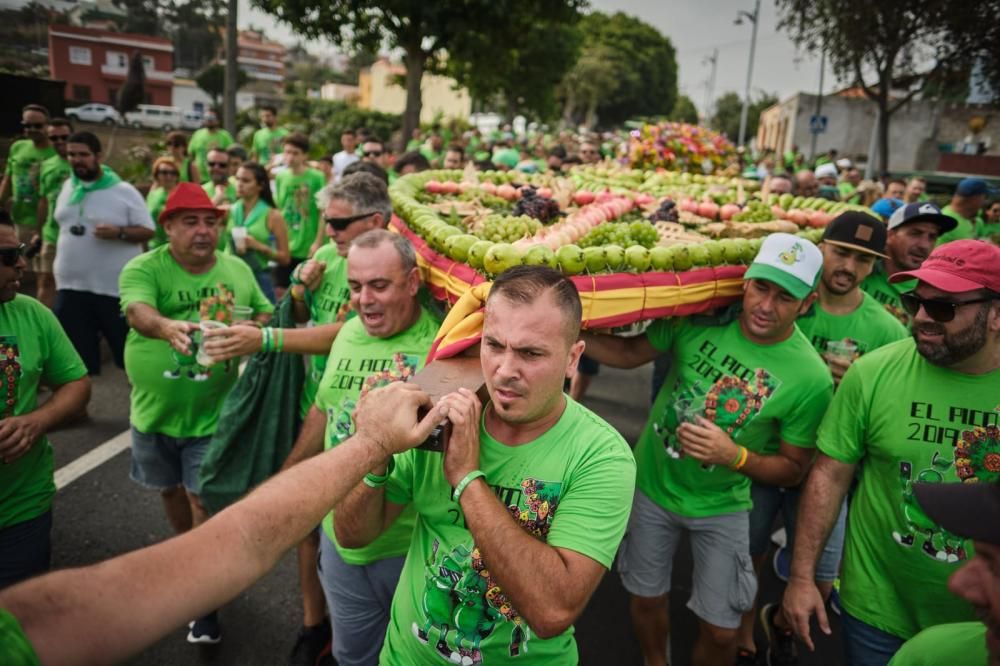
{"x": 25, "y": 232}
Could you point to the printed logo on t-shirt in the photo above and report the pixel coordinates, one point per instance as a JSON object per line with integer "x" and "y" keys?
{"x": 212, "y": 304}
{"x": 350, "y": 375}
{"x": 10, "y": 365}
{"x": 732, "y": 395}
{"x": 936, "y": 542}
{"x": 462, "y": 604}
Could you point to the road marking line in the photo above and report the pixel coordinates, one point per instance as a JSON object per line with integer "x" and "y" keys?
{"x": 93, "y": 458}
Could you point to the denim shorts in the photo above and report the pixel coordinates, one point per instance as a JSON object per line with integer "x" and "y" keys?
{"x": 724, "y": 585}
{"x": 162, "y": 462}
{"x": 768, "y": 501}
{"x": 25, "y": 549}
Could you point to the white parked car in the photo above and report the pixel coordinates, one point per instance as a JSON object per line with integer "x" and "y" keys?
{"x": 153, "y": 116}
{"x": 95, "y": 113}
{"x": 192, "y": 120}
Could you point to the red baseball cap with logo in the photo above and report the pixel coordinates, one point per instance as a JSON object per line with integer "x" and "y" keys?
{"x": 963, "y": 265}
{"x": 188, "y": 196}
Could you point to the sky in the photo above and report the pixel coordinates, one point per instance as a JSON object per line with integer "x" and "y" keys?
{"x": 695, "y": 28}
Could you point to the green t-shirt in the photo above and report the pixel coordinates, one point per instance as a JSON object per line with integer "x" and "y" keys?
{"x": 903, "y": 420}
{"x": 295, "y": 197}
{"x": 434, "y": 158}
{"x": 572, "y": 488}
{"x": 760, "y": 394}
{"x": 877, "y": 286}
{"x": 203, "y": 141}
{"x": 173, "y": 394}
{"x": 869, "y": 327}
{"x": 267, "y": 143}
{"x": 330, "y": 303}
{"x": 231, "y": 198}
{"x": 988, "y": 232}
{"x": 24, "y": 165}
{"x": 945, "y": 645}
{"x": 845, "y": 189}
{"x": 33, "y": 348}
{"x": 357, "y": 363}
{"x": 15, "y": 648}
{"x": 965, "y": 230}
{"x": 156, "y": 199}
{"x": 54, "y": 172}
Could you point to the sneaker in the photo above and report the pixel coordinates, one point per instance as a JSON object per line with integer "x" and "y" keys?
{"x": 782, "y": 564}
{"x": 745, "y": 657}
{"x": 781, "y": 649}
{"x": 205, "y": 629}
{"x": 311, "y": 645}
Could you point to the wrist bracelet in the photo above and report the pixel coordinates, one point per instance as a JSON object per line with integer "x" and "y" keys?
{"x": 376, "y": 481}
{"x": 267, "y": 339}
{"x": 292, "y": 289}
{"x": 279, "y": 345}
{"x": 464, "y": 483}
{"x": 741, "y": 461}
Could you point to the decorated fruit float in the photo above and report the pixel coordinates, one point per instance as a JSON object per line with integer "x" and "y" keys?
{"x": 638, "y": 244}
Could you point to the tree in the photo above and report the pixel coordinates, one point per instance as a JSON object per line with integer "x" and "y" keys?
{"x": 423, "y": 31}
{"x": 728, "y": 108}
{"x": 538, "y": 52}
{"x": 586, "y": 85}
{"x": 643, "y": 64}
{"x": 891, "y": 44}
{"x": 212, "y": 80}
{"x": 685, "y": 111}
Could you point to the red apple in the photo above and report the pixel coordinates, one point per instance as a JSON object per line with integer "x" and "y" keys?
{"x": 727, "y": 211}
{"x": 434, "y": 187}
{"x": 708, "y": 209}
{"x": 583, "y": 197}
{"x": 544, "y": 192}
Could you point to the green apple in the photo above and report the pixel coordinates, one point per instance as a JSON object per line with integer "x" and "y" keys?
{"x": 501, "y": 257}
{"x": 595, "y": 258}
{"x": 477, "y": 253}
{"x": 615, "y": 256}
{"x": 539, "y": 255}
{"x": 661, "y": 258}
{"x": 699, "y": 255}
{"x": 731, "y": 251}
{"x": 457, "y": 247}
{"x": 716, "y": 256}
{"x": 637, "y": 257}
{"x": 679, "y": 257}
{"x": 570, "y": 259}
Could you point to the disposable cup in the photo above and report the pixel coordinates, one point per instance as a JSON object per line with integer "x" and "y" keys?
{"x": 842, "y": 348}
{"x": 239, "y": 236}
{"x": 203, "y": 357}
{"x": 242, "y": 313}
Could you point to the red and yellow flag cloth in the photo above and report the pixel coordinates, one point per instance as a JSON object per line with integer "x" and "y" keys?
{"x": 616, "y": 299}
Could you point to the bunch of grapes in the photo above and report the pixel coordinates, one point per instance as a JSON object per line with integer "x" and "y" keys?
{"x": 503, "y": 229}
{"x": 667, "y": 212}
{"x": 534, "y": 206}
{"x": 624, "y": 234}
{"x": 755, "y": 211}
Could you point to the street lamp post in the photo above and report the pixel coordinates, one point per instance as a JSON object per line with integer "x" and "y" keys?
{"x": 753, "y": 18}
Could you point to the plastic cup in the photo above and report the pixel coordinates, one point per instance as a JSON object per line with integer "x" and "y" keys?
{"x": 842, "y": 348}
{"x": 203, "y": 358}
{"x": 242, "y": 313}
{"x": 239, "y": 236}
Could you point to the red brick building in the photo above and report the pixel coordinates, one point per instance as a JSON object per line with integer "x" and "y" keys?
{"x": 94, "y": 63}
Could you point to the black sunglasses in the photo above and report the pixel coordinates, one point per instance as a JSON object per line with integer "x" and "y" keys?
{"x": 9, "y": 256}
{"x": 58, "y": 137}
{"x": 32, "y": 125}
{"x": 939, "y": 311}
{"x": 220, "y": 165}
{"x": 372, "y": 153}
{"x": 341, "y": 223}
{"x": 167, "y": 172}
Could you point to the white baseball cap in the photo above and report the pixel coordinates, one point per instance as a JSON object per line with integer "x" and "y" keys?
{"x": 792, "y": 263}
{"x": 826, "y": 171}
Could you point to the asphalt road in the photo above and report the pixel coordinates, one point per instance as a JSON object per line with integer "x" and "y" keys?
{"x": 103, "y": 514}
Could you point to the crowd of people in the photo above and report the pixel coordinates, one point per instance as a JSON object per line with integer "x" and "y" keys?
{"x": 850, "y": 395}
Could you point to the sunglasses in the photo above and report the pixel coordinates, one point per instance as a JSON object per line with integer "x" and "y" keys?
{"x": 372, "y": 153}
{"x": 219, "y": 165}
{"x": 939, "y": 311}
{"x": 35, "y": 126}
{"x": 9, "y": 256}
{"x": 341, "y": 223}
{"x": 58, "y": 137}
{"x": 167, "y": 172}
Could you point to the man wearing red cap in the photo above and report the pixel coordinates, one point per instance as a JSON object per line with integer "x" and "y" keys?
{"x": 177, "y": 390}
{"x": 910, "y": 412}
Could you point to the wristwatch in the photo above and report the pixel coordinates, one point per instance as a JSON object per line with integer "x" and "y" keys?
{"x": 122, "y": 236}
